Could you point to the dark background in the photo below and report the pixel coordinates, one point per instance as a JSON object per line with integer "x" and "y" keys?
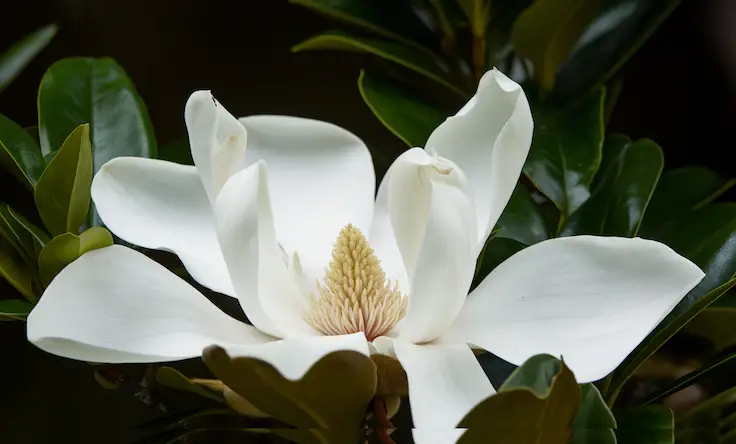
{"x": 679, "y": 90}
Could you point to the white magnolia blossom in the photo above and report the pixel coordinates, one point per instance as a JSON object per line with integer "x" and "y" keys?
{"x": 257, "y": 218}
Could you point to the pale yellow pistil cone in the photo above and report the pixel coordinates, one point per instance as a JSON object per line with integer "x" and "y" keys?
{"x": 355, "y": 295}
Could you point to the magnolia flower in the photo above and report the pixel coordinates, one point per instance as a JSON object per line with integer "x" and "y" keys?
{"x": 279, "y": 212}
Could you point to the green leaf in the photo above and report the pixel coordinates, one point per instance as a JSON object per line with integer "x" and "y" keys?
{"x": 477, "y": 12}
{"x": 177, "y": 151}
{"x": 330, "y": 400}
{"x": 66, "y": 248}
{"x": 19, "y": 153}
{"x": 408, "y": 115}
{"x": 394, "y": 20}
{"x": 566, "y": 153}
{"x": 716, "y": 324}
{"x": 616, "y": 32}
{"x": 645, "y": 425}
{"x": 496, "y": 250}
{"x": 617, "y": 206}
{"x": 522, "y": 219}
{"x": 680, "y": 191}
{"x": 421, "y": 62}
{"x": 16, "y": 309}
{"x": 708, "y": 238}
{"x": 14, "y": 59}
{"x": 542, "y": 392}
{"x": 16, "y": 235}
{"x": 39, "y": 236}
{"x": 547, "y": 43}
{"x": 594, "y": 423}
{"x": 15, "y": 269}
{"x": 690, "y": 378}
{"x": 96, "y": 91}
{"x": 62, "y": 194}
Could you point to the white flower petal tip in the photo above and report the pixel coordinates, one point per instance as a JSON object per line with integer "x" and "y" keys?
{"x": 115, "y": 305}
{"x": 590, "y": 300}
{"x": 489, "y": 140}
{"x": 217, "y": 141}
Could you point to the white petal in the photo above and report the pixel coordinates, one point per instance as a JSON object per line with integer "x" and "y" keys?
{"x": 268, "y": 295}
{"x": 489, "y": 139}
{"x": 292, "y": 357}
{"x": 432, "y": 217}
{"x": 321, "y": 178}
{"x": 429, "y": 435}
{"x": 116, "y": 305}
{"x": 445, "y": 382}
{"x": 217, "y": 141}
{"x": 162, "y": 205}
{"x": 588, "y": 299}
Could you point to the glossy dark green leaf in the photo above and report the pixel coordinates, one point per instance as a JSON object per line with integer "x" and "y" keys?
{"x": 14, "y": 59}
{"x": 566, "y": 152}
{"x": 16, "y": 309}
{"x": 62, "y": 193}
{"x": 680, "y": 191}
{"x": 548, "y": 42}
{"x": 708, "y": 238}
{"x": 541, "y": 392}
{"x": 594, "y": 423}
{"x": 177, "y": 151}
{"x": 98, "y": 92}
{"x": 394, "y": 20}
{"x": 408, "y": 115}
{"x": 645, "y": 425}
{"x": 66, "y": 248}
{"x": 522, "y": 219}
{"x": 496, "y": 250}
{"x": 414, "y": 59}
{"x": 15, "y": 270}
{"x": 331, "y": 398}
{"x": 616, "y": 32}
{"x": 617, "y": 206}
{"x": 19, "y": 154}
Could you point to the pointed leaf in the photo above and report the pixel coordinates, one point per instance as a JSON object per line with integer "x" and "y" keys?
{"x": 63, "y": 192}
{"x": 16, "y": 235}
{"x": 547, "y": 43}
{"x": 542, "y": 392}
{"x": 66, "y": 248}
{"x": 16, "y": 309}
{"x": 14, "y": 59}
{"x": 522, "y": 219}
{"x": 645, "y": 425}
{"x": 617, "y": 206}
{"x": 422, "y": 62}
{"x": 19, "y": 153}
{"x": 15, "y": 270}
{"x": 95, "y": 91}
{"x": 408, "y": 115}
{"x": 616, "y": 32}
{"x": 394, "y": 20}
{"x": 594, "y": 423}
{"x": 331, "y": 398}
{"x": 566, "y": 152}
{"x": 39, "y": 236}
{"x": 680, "y": 191}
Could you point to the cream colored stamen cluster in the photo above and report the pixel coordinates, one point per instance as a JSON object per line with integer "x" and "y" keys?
{"x": 355, "y": 295}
